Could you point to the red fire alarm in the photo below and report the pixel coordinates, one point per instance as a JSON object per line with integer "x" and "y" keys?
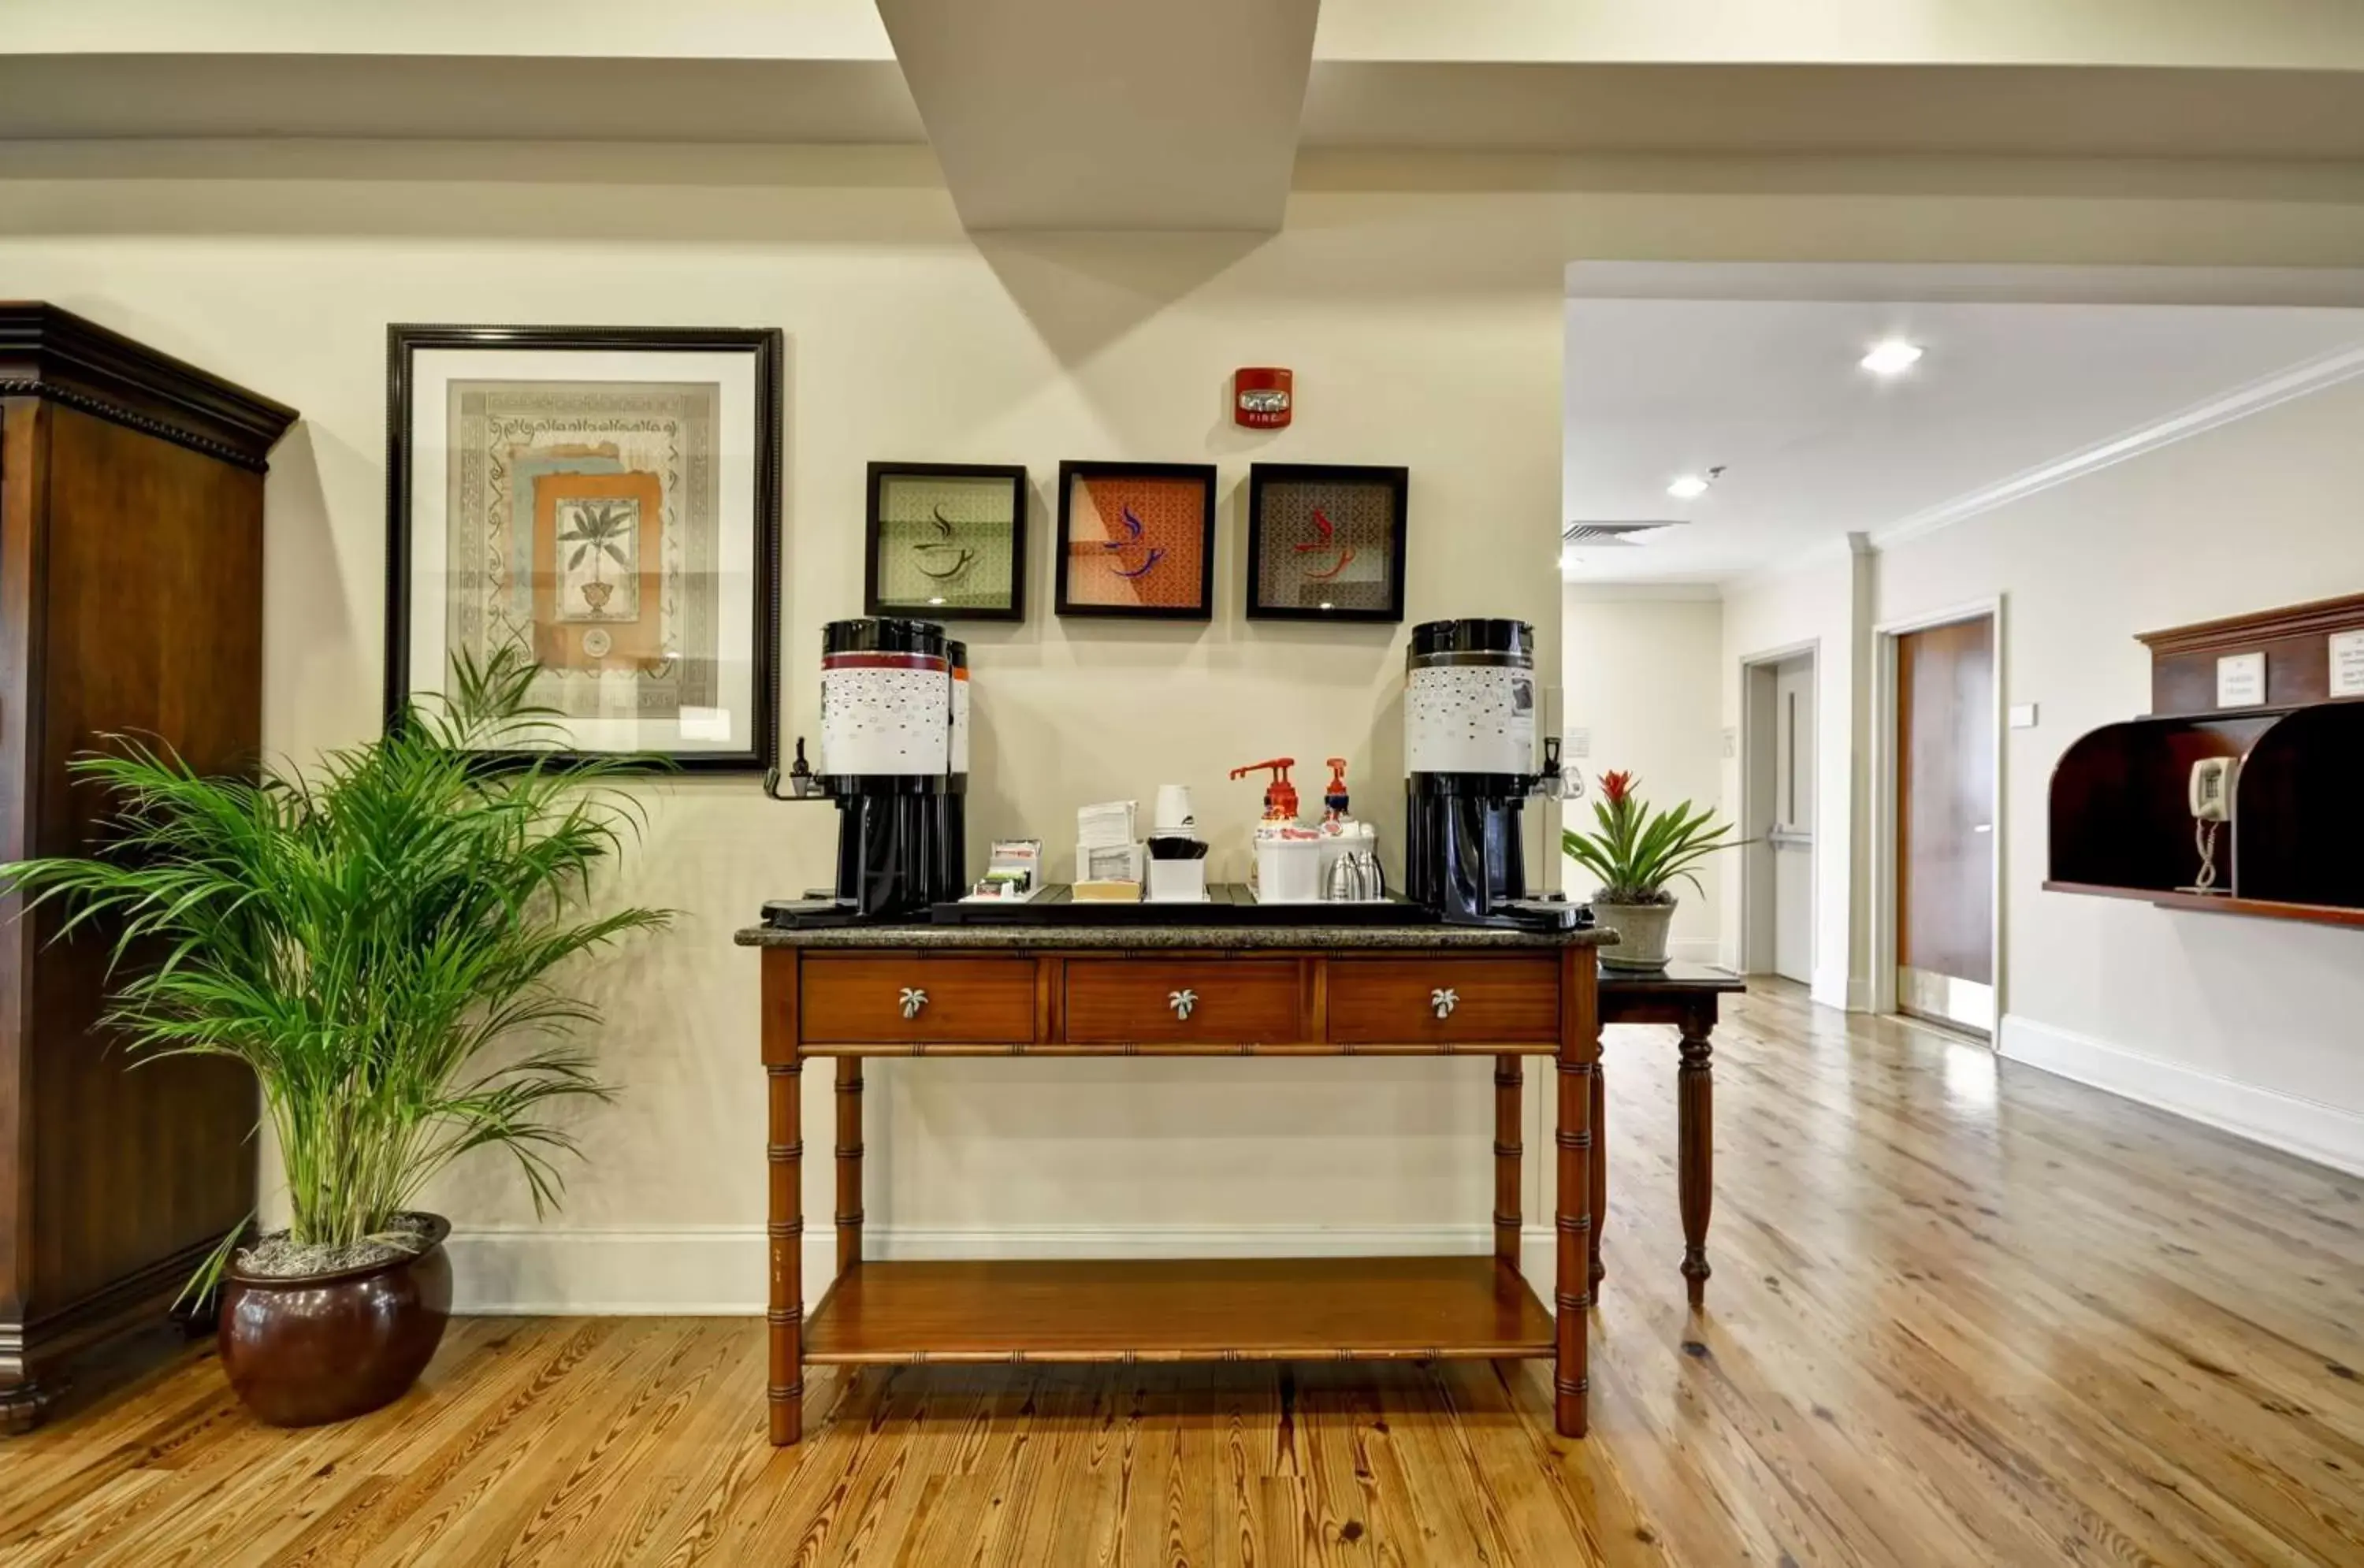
{"x": 1262, "y": 398}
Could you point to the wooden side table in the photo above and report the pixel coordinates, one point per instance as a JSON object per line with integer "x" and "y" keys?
{"x": 1687, "y": 996}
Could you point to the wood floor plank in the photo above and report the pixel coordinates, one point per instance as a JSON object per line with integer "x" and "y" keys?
{"x": 1963, "y": 1312}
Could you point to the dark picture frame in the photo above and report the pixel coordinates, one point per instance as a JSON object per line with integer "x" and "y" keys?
{"x": 764, "y": 348}
{"x": 883, "y": 474}
{"x": 1064, "y": 546}
{"x": 1268, "y": 485}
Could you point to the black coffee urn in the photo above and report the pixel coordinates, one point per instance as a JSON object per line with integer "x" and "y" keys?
{"x": 890, "y": 707}
{"x": 1469, "y": 761}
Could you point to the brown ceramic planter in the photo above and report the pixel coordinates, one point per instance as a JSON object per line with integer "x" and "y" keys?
{"x": 303, "y": 1351}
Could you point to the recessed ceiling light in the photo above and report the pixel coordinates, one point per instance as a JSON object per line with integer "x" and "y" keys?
{"x": 1688, "y": 487}
{"x": 1891, "y": 356}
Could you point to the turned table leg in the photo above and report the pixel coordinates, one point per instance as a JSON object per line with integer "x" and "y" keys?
{"x": 1600, "y": 1168}
{"x": 1580, "y": 1055}
{"x": 1509, "y": 1078}
{"x": 784, "y": 1312}
{"x": 1695, "y": 1084}
{"x": 849, "y": 1163}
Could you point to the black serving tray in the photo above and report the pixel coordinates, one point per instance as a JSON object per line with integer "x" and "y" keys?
{"x": 1228, "y": 904}
{"x": 1233, "y": 904}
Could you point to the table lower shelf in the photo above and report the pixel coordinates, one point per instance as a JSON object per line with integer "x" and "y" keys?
{"x": 1180, "y": 1309}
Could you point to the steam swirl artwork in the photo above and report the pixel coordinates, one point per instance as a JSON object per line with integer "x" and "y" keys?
{"x": 947, "y": 541}
{"x": 1325, "y": 542}
{"x": 1136, "y": 540}
{"x": 603, "y": 502}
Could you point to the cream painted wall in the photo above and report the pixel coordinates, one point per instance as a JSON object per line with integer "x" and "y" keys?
{"x": 1821, "y": 603}
{"x": 1420, "y": 302}
{"x": 1640, "y": 673}
{"x": 2252, "y": 1023}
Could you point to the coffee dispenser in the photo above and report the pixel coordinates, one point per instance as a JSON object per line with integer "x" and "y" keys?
{"x": 1470, "y": 764}
{"x": 951, "y": 872}
{"x": 893, "y": 724}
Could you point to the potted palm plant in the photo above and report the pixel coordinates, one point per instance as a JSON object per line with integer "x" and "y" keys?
{"x": 1638, "y": 851}
{"x": 377, "y": 939}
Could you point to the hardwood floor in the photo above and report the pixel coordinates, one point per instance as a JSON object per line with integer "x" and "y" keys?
{"x": 1961, "y": 1314}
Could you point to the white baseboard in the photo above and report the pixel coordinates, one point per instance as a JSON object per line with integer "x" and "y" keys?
{"x": 722, "y": 1271}
{"x": 2309, "y": 1129}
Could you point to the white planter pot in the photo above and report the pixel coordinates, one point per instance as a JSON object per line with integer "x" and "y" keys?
{"x": 1641, "y": 934}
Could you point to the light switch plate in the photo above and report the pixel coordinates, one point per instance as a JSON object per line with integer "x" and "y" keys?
{"x": 1579, "y": 743}
{"x": 2023, "y": 715}
{"x": 1730, "y": 742}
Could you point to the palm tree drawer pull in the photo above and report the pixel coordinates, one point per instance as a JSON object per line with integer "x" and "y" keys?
{"x": 913, "y": 1000}
{"x": 1182, "y": 1002}
{"x": 1443, "y": 999}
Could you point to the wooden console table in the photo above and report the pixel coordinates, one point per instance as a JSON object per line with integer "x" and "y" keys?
{"x": 1179, "y": 991}
{"x": 1686, "y": 995}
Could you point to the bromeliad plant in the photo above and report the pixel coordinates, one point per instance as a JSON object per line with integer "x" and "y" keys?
{"x": 364, "y": 936}
{"x": 1637, "y": 849}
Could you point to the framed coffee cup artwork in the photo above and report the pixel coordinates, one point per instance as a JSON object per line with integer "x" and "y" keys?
{"x": 1326, "y": 543}
{"x": 601, "y": 504}
{"x": 946, "y": 542}
{"x": 1137, "y": 539}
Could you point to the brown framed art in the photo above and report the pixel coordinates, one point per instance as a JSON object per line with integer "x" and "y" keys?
{"x": 945, "y": 541}
{"x": 1137, "y": 539}
{"x": 607, "y": 501}
{"x": 1326, "y": 543}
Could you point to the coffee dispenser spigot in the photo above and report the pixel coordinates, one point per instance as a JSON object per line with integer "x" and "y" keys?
{"x": 802, "y": 782}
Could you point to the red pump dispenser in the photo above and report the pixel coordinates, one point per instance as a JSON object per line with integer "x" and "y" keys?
{"x": 1279, "y": 795}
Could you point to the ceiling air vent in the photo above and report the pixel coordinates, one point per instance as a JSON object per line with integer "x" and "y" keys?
{"x": 1613, "y": 536}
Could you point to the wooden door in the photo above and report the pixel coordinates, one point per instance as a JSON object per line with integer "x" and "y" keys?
{"x": 1792, "y": 832}
{"x": 1945, "y": 823}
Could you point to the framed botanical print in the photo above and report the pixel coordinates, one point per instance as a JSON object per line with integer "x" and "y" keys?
{"x": 946, "y": 542}
{"x": 1137, "y": 539}
{"x": 1325, "y": 542}
{"x": 603, "y": 502}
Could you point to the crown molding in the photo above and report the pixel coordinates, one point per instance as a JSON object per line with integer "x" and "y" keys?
{"x": 2256, "y": 397}
{"x": 55, "y": 354}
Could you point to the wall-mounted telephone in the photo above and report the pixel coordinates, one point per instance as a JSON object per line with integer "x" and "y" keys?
{"x": 2212, "y": 789}
{"x": 2212, "y": 807}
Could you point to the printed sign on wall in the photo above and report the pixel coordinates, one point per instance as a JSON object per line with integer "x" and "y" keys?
{"x": 2241, "y": 680}
{"x": 2347, "y": 665}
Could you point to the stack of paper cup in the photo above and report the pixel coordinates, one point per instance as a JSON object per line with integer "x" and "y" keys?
{"x": 1175, "y": 880}
{"x": 1175, "y": 819}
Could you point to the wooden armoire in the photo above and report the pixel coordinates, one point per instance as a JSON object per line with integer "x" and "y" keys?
{"x": 130, "y": 601}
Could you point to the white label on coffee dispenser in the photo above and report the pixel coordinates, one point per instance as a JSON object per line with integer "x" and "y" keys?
{"x": 884, "y": 712}
{"x": 1469, "y": 718}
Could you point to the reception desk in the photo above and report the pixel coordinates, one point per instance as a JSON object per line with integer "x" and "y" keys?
{"x": 922, "y": 991}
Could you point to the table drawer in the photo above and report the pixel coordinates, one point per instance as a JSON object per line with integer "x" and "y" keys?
{"x": 1234, "y": 1002}
{"x": 1478, "y": 1001}
{"x": 916, "y": 996}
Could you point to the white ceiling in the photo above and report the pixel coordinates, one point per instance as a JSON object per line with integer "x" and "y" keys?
{"x": 1161, "y": 114}
{"x": 1815, "y": 447}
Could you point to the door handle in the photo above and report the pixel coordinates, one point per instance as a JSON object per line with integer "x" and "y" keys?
{"x": 1443, "y": 1000}
{"x": 1182, "y": 1002}
{"x": 913, "y": 999}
